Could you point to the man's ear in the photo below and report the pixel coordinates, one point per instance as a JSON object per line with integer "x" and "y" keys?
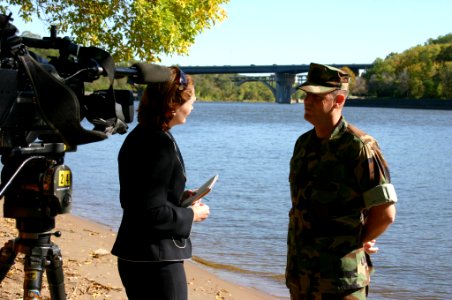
{"x": 340, "y": 99}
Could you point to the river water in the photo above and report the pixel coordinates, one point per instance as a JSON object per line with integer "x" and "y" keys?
{"x": 249, "y": 145}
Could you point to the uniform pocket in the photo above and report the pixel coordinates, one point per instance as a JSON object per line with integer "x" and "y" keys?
{"x": 356, "y": 271}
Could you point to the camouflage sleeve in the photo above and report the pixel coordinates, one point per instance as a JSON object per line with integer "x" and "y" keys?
{"x": 380, "y": 194}
{"x": 377, "y": 187}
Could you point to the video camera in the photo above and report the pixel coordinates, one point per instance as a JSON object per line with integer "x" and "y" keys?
{"x": 42, "y": 104}
{"x": 46, "y": 99}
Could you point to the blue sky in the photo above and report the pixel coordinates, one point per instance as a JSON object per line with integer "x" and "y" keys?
{"x": 264, "y": 32}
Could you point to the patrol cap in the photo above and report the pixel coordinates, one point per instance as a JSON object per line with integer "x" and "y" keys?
{"x": 324, "y": 79}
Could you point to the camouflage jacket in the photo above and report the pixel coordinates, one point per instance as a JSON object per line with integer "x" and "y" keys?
{"x": 333, "y": 183}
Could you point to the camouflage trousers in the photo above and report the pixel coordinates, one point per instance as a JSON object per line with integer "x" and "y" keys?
{"x": 359, "y": 294}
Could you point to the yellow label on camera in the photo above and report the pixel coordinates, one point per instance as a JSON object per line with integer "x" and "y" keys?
{"x": 64, "y": 178}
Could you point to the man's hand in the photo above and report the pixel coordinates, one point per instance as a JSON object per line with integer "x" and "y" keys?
{"x": 370, "y": 248}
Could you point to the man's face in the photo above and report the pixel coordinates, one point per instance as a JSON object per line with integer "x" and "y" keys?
{"x": 318, "y": 108}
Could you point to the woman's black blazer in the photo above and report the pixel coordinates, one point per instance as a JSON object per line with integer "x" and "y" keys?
{"x": 154, "y": 226}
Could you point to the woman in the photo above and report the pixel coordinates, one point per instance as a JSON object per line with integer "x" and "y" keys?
{"x": 154, "y": 237}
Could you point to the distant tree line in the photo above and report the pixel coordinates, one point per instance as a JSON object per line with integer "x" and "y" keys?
{"x": 421, "y": 72}
{"x": 221, "y": 87}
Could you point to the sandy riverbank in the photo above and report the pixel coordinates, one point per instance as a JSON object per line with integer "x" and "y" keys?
{"x": 90, "y": 270}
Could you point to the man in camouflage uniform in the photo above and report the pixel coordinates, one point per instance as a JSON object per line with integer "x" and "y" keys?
{"x": 342, "y": 198}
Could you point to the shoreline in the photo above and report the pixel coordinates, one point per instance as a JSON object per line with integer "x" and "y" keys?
{"x": 427, "y": 104}
{"x": 90, "y": 270}
{"x": 400, "y": 103}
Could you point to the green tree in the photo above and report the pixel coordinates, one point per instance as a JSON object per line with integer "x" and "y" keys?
{"x": 221, "y": 87}
{"x": 352, "y": 77}
{"x": 380, "y": 78}
{"x": 419, "y": 72}
{"x": 445, "y": 54}
{"x": 446, "y": 39}
{"x": 445, "y": 75}
{"x": 255, "y": 91}
{"x": 128, "y": 29}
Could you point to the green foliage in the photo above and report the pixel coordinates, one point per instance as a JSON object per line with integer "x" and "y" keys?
{"x": 446, "y": 39}
{"x": 220, "y": 87}
{"x": 352, "y": 82}
{"x": 127, "y": 29}
{"x": 419, "y": 72}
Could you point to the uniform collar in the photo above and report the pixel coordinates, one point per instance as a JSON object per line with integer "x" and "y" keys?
{"x": 339, "y": 129}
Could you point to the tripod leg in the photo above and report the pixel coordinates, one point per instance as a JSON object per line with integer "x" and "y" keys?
{"x": 7, "y": 257}
{"x": 34, "y": 265}
{"x": 55, "y": 275}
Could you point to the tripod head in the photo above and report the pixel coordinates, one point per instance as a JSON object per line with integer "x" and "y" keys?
{"x": 38, "y": 187}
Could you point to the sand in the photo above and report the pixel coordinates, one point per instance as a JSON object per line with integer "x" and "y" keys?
{"x": 90, "y": 270}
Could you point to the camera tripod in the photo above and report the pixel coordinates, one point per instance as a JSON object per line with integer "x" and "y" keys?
{"x": 37, "y": 188}
{"x": 40, "y": 254}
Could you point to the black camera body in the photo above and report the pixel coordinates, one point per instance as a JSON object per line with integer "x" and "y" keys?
{"x": 42, "y": 104}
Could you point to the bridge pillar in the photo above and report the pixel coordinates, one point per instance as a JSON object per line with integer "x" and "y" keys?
{"x": 284, "y": 89}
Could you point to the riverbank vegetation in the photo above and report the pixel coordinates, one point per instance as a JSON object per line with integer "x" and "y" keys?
{"x": 221, "y": 87}
{"x": 421, "y": 72}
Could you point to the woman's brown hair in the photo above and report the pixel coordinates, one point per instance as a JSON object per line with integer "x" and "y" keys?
{"x": 160, "y": 100}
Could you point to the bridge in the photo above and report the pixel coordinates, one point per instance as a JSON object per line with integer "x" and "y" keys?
{"x": 281, "y": 83}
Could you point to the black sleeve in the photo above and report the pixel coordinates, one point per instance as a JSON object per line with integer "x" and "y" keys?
{"x": 146, "y": 170}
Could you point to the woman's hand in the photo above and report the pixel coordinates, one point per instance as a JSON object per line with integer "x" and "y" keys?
{"x": 201, "y": 211}
{"x": 188, "y": 193}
